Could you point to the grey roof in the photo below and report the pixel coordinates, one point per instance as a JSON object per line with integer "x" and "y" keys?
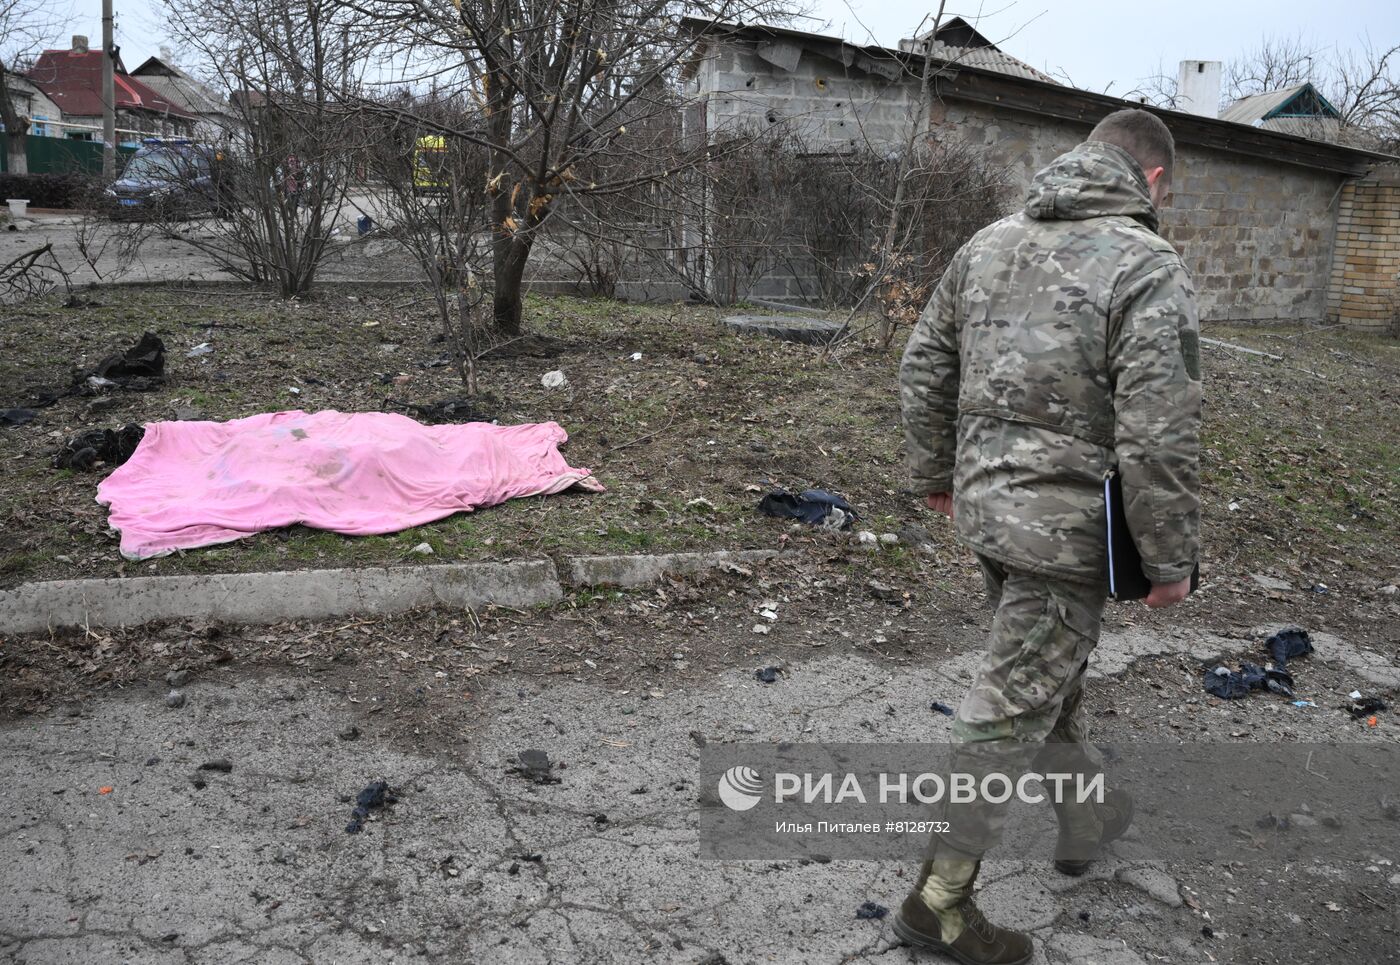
{"x": 1258, "y": 107}
{"x": 882, "y": 59}
{"x": 986, "y": 58}
{"x": 183, "y": 90}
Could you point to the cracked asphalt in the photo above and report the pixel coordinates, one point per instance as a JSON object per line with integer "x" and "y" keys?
{"x": 118, "y": 847}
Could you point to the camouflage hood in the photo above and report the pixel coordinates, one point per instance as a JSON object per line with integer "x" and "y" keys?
{"x": 1091, "y": 181}
{"x": 1060, "y": 344}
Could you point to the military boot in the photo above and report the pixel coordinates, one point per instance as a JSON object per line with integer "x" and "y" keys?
{"x": 940, "y": 916}
{"x": 1086, "y": 828}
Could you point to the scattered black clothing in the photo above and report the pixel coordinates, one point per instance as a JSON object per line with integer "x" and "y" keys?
{"x": 1287, "y": 644}
{"x": 810, "y": 506}
{"x": 87, "y": 449}
{"x": 11, "y": 418}
{"x": 1231, "y": 685}
{"x": 1282, "y": 646}
{"x": 140, "y": 368}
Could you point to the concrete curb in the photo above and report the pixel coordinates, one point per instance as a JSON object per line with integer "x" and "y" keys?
{"x": 324, "y": 594}
{"x": 640, "y": 570}
{"x": 274, "y": 597}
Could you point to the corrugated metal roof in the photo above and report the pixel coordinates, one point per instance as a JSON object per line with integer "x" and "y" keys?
{"x": 1266, "y": 106}
{"x": 984, "y": 58}
{"x": 1256, "y": 107}
{"x": 188, "y": 94}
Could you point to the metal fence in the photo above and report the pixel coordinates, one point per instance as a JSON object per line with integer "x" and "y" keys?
{"x": 58, "y": 155}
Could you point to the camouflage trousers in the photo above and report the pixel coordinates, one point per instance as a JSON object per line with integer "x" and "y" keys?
{"x": 1023, "y": 709}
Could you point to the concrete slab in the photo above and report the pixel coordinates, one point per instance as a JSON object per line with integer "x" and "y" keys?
{"x": 637, "y": 570}
{"x": 274, "y": 597}
{"x": 786, "y": 328}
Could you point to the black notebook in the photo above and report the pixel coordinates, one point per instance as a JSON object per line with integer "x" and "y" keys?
{"x": 1125, "y": 577}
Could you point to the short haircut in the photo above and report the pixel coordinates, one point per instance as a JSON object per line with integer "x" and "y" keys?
{"x": 1141, "y": 134}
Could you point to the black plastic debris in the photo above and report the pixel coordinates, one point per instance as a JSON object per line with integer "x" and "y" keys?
{"x": 942, "y": 708}
{"x": 815, "y": 506}
{"x": 376, "y": 795}
{"x": 1360, "y": 707}
{"x": 109, "y": 446}
{"x": 11, "y": 418}
{"x": 535, "y": 766}
{"x": 871, "y": 911}
{"x": 767, "y": 675}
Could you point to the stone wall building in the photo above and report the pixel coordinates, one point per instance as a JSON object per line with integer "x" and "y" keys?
{"x": 1255, "y": 212}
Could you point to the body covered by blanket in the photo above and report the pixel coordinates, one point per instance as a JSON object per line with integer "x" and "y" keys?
{"x": 197, "y": 483}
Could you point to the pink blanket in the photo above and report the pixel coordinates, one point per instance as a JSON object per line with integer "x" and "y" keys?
{"x": 197, "y": 483}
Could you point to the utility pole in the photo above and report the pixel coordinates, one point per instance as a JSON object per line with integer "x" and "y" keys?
{"x": 109, "y": 96}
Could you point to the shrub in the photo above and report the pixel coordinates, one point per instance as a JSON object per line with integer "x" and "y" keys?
{"x": 45, "y": 190}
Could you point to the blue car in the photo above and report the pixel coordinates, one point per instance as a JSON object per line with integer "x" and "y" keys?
{"x": 168, "y": 178}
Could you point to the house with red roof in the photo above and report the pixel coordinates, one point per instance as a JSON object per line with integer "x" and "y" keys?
{"x": 72, "y": 80}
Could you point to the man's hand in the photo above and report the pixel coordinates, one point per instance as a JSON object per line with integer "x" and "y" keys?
{"x": 1165, "y": 594}
{"x": 940, "y": 503}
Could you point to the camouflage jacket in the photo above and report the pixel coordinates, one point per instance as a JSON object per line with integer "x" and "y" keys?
{"x": 1063, "y": 340}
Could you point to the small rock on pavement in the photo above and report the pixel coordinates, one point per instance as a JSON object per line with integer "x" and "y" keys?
{"x": 350, "y": 733}
{"x": 177, "y": 678}
{"x": 175, "y": 699}
{"x": 422, "y": 549}
{"x": 1157, "y": 884}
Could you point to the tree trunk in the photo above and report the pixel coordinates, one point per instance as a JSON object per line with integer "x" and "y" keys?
{"x": 511, "y": 255}
{"x": 17, "y": 157}
{"x": 16, "y": 130}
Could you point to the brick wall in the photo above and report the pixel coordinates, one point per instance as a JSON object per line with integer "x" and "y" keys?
{"x": 1365, "y": 289}
{"x": 1256, "y": 233}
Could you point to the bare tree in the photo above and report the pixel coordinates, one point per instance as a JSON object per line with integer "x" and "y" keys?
{"x": 560, "y": 86}
{"x": 25, "y": 26}
{"x": 1276, "y": 63}
{"x": 282, "y": 183}
{"x": 432, "y": 192}
{"x": 1362, "y": 83}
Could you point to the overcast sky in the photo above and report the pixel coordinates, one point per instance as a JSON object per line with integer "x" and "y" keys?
{"x": 1100, "y": 43}
{"x": 1095, "y": 43}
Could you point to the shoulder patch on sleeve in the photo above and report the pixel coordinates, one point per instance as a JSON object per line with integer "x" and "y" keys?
{"x": 1191, "y": 353}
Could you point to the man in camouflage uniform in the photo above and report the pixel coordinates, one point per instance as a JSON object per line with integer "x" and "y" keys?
{"x": 1061, "y": 342}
